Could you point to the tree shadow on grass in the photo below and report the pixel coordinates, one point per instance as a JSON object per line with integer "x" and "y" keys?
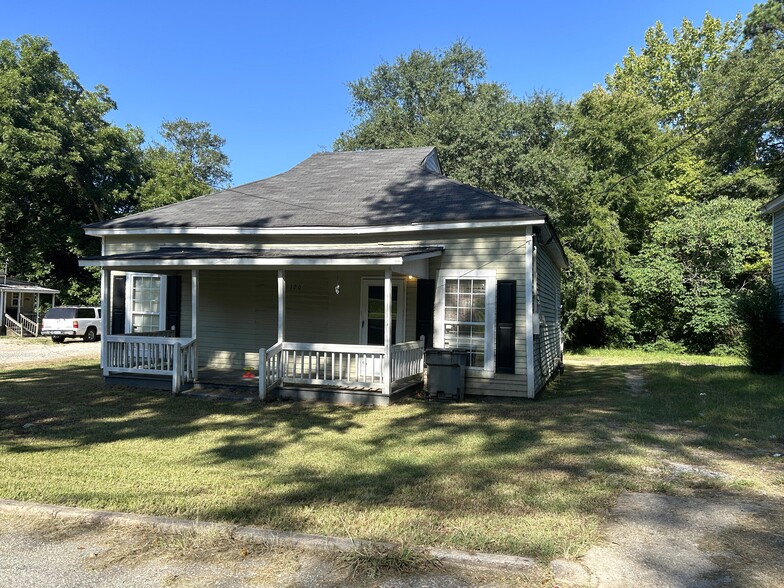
{"x": 440, "y": 459}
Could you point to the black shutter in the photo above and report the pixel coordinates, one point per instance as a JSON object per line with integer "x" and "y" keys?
{"x": 426, "y": 296}
{"x": 505, "y": 326}
{"x": 173, "y": 297}
{"x": 118, "y": 305}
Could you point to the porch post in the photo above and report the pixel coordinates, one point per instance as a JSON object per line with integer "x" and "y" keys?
{"x": 281, "y": 304}
{"x": 387, "y": 374}
{"x": 37, "y": 312}
{"x": 194, "y": 320}
{"x": 105, "y": 297}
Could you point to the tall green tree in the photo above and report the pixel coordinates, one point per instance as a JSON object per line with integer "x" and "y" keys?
{"x": 62, "y": 165}
{"x": 743, "y": 104}
{"x": 687, "y": 279}
{"x": 189, "y": 162}
{"x": 669, "y": 70}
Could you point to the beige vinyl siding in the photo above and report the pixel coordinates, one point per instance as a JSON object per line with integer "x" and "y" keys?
{"x": 237, "y": 315}
{"x": 777, "y": 264}
{"x": 227, "y": 295}
{"x": 547, "y": 352}
{"x": 185, "y": 305}
{"x": 504, "y": 252}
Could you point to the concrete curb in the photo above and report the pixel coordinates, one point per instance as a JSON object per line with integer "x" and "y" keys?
{"x": 321, "y": 543}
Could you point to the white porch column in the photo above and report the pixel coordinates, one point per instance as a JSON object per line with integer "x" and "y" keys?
{"x": 37, "y": 312}
{"x": 281, "y": 305}
{"x": 106, "y": 281}
{"x": 194, "y": 319}
{"x": 387, "y": 331}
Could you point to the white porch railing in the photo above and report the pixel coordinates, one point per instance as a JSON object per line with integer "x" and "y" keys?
{"x": 12, "y": 326}
{"x": 346, "y": 366}
{"x": 28, "y": 325}
{"x": 157, "y": 356}
{"x": 407, "y": 361}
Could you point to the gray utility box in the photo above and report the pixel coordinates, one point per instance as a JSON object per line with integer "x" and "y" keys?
{"x": 446, "y": 373}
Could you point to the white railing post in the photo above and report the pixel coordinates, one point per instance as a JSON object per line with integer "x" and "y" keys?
{"x": 262, "y": 374}
{"x": 177, "y": 375}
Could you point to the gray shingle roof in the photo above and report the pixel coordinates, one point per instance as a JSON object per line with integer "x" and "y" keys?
{"x": 339, "y": 189}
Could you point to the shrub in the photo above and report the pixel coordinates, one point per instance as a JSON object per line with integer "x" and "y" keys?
{"x": 763, "y": 335}
{"x": 664, "y": 345}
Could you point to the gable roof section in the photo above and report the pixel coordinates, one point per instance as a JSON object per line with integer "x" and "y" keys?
{"x": 387, "y": 187}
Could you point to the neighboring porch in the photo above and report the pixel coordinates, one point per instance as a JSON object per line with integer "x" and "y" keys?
{"x": 331, "y": 331}
{"x": 21, "y": 306}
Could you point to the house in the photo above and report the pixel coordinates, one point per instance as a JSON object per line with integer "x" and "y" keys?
{"x": 332, "y": 278}
{"x": 20, "y": 303}
{"x": 775, "y": 208}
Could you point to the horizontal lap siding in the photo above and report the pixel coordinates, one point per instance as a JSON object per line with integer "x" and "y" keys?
{"x": 547, "y": 353}
{"x": 504, "y": 252}
{"x": 777, "y": 265}
{"x": 237, "y": 315}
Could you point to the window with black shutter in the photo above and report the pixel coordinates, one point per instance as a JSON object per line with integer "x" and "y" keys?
{"x": 505, "y": 326}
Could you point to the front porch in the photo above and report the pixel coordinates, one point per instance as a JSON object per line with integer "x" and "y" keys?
{"x": 329, "y": 330}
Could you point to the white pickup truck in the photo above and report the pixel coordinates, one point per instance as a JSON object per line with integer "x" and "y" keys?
{"x": 72, "y": 321}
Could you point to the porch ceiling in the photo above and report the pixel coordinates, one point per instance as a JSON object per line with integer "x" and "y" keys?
{"x": 278, "y": 257}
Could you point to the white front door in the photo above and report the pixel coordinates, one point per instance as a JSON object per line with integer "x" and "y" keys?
{"x": 372, "y": 312}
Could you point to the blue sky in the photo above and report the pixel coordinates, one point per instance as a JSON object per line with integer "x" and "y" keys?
{"x": 271, "y": 76}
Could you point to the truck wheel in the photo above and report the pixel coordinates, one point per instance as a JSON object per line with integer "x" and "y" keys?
{"x": 90, "y": 335}
{"x": 58, "y": 338}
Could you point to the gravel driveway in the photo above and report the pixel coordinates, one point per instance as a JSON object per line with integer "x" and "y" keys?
{"x": 14, "y": 351}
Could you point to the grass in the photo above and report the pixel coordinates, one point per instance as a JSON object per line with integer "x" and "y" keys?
{"x": 376, "y": 560}
{"x": 518, "y": 477}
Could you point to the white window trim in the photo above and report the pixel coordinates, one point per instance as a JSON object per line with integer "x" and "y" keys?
{"x": 490, "y": 297}
{"x": 400, "y": 330}
{"x": 129, "y": 277}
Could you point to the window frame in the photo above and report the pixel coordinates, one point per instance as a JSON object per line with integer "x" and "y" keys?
{"x": 489, "y": 276}
{"x": 129, "y": 290}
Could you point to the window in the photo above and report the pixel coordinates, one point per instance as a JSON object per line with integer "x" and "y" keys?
{"x": 145, "y": 303}
{"x": 464, "y": 318}
{"x": 15, "y": 299}
{"x": 85, "y": 313}
{"x": 465, "y": 304}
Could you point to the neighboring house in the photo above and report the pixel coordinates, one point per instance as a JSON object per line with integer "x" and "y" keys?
{"x": 775, "y": 208}
{"x": 331, "y": 278}
{"x": 20, "y": 304}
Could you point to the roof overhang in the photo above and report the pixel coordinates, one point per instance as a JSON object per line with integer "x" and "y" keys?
{"x": 773, "y": 206}
{"x": 197, "y": 257}
{"x": 358, "y": 230}
{"x": 27, "y": 289}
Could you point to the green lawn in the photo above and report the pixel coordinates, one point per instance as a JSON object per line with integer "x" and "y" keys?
{"x": 532, "y": 478}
